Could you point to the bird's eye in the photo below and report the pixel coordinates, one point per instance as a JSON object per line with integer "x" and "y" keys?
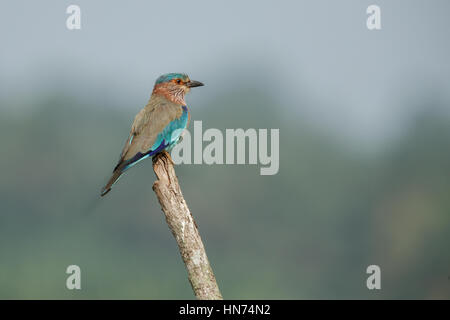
{"x": 178, "y": 81}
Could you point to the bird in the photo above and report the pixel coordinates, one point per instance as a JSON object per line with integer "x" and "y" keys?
{"x": 158, "y": 126}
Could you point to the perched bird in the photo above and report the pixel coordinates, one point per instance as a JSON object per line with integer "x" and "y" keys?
{"x": 158, "y": 126}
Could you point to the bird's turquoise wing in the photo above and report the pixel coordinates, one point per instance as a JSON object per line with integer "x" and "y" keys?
{"x": 166, "y": 139}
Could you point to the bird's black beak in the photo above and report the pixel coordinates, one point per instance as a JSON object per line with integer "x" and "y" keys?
{"x": 193, "y": 83}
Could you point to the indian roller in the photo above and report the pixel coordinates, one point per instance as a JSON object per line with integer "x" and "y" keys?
{"x": 158, "y": 126}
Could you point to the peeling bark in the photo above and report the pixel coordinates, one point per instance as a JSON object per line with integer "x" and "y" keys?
{"x": 184, "y": 229}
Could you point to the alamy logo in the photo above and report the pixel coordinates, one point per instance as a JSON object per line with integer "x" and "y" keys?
{"x": 73, "y": 21}
{"x": 374, "y": 280}
{"x": 74, "y": 280}
{"x": 237, "y": 142}
{"x": 374, "y": 20}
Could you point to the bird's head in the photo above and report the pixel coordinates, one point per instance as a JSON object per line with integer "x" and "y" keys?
{"x": 174, "y": 86}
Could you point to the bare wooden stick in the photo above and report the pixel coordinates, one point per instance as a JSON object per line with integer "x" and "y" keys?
{"x": 184, "y": 229}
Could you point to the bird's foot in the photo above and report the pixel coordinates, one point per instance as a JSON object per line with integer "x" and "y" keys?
{"x": 163, "y": 154}
{"x": 169, "y": 157}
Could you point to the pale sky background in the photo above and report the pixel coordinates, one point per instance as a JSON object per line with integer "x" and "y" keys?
{"x": 316, "y": 57}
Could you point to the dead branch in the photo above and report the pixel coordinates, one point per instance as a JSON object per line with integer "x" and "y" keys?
{"x": 184, "y": 229}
